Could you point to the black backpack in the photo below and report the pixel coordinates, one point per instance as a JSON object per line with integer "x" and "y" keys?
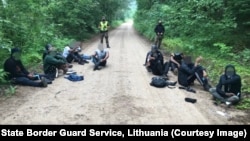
{"x": 158, "y": 82}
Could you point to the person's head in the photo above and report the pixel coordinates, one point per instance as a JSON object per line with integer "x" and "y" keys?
{"x": 187, "y": 60}
{"x": 178, "y": 55}
{"x": 16, "y": 53}
{"x": 159, "y": 22}
{"x": 48, "y": 47}
{"x": 100, "y": 47}
{"x": 103, "y": 18}
{"x": 230, "y": 71}
{"x": 51, "y": 50}
{"x": 154, "y": 48}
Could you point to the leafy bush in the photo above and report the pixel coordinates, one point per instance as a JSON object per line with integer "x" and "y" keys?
{"x": 2, "y": 76}
{"x": 244, "y": 104}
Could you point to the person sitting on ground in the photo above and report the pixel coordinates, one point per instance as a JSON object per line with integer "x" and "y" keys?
{"x": 54, "y": 62}
{"x": 48, "y": 47}
{"x": 155, "y": 61}
{"x": 85, "y": 57}
{"x": 175, "y": 62}
{"x": 188, "y": 72}
{"x": 228, "y": 90}
{"x": 72, "y": 53}
{"x": 18, "y": 74}
{"x": 100, "y": 57}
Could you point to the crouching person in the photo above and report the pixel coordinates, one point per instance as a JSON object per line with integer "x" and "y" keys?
{"x": 100, "y": 57}
{"x": 155, "y": 62}
{"x": 52, "y": 63}
{"x": 228, "y": 90}
{"x": 18, "y": 74}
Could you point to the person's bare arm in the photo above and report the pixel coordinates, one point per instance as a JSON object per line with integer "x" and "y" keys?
{"x": 198, "y": 60}
{"x": 106, "y": 57}
{"x": 173, "y": 60}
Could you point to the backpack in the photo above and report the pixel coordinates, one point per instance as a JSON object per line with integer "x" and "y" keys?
{"x": 158, "y": 82}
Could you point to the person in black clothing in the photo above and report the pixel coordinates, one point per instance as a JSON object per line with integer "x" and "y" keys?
{"x": 17, "y": 73}
{"x": 155, "y": 61}
{"x": 72, "y": 54}
{"x": 175, "y": 62}
{"x": 188, "y": 72}
{"x": 228, "y": 90}
{"x": 159, "y": 31}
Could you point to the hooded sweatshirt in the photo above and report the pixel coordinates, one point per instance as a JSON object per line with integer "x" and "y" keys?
{"x": 228, "y": 84}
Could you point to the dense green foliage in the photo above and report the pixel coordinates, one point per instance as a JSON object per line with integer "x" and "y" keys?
{"x": 217, "y": 30}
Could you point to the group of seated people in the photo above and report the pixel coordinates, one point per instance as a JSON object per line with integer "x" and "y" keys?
{"x": 53, "y": 61}
{"x": 227, "y": 91}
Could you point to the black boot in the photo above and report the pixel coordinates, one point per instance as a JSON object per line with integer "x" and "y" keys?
{"x": 108, "y": 46}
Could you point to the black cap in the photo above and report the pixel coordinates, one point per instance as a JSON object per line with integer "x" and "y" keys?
{"x": 48, "y": 46}
{"x": 14, "y": 50}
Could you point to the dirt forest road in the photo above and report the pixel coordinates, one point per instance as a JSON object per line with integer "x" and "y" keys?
{"x": 117, "y": 94}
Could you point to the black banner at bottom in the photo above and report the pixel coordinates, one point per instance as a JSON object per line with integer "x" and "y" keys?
{"x": 128, "y": 131}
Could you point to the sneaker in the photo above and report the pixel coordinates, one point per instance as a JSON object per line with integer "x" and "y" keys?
{"x": 190, "y": 90}
{"x": 85, "y": 61}
{"x": 70, "y": 72}
{"x": 228, "y": 103}
{"x": 97, "y": 68}
{"x": 81, "y": 62}
{"x": 70, "y": 66}
{"x": 44, "y": 82}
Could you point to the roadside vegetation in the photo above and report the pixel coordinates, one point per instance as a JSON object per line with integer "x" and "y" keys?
{"x": 217, "y": 30}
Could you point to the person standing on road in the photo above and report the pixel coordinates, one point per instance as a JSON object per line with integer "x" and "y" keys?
{"x": 159, "y": 31}
{"x": 228, "y": 90}
{"x": 104, "y": 27}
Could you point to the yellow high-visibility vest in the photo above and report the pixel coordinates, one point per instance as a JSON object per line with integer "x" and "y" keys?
{"x": 104, "y": 25}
